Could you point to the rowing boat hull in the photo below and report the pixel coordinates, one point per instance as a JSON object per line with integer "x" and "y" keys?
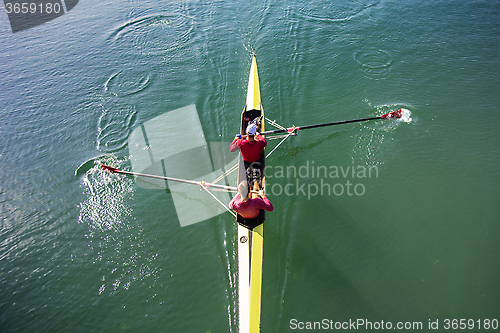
{"x": 250, "y": 241}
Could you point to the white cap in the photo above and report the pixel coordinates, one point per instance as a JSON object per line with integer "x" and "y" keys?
{"x": 251, "y": 129}
{"x": 243, "y": 189}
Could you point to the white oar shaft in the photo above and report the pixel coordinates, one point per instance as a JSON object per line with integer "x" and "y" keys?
{"x": 179, "y": 180}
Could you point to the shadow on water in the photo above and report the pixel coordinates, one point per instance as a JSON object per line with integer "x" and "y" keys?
{"x": 323, "y": 257}
{"x": 295, "y": 150}
{"x": 320, "y": 266}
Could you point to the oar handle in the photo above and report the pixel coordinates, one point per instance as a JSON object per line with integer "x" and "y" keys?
{"x": 244, "y": 136}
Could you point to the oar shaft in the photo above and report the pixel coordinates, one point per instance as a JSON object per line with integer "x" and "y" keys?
{"x": 179, "y": 180}
{"x": 338, "y": 123}
{"x": 319, "y": 125}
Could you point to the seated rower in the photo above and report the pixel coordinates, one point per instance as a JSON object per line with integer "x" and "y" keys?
{"x": 245, "y": 206}
{"x": 251, "y": 149}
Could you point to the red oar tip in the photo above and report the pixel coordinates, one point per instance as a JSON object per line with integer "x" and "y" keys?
{"x": 109, "y": 168}
{"x": 393, "y": 114}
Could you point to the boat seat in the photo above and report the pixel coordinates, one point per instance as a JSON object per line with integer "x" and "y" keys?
{"x": 252, "y": 223}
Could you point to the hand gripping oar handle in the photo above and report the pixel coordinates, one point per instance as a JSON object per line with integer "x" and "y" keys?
{"x": 193, "y": 182}
{"x": 390, "y": 115}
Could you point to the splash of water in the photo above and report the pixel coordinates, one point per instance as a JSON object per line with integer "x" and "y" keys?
{"x": 374, "y": 137}
{"x": 115, "y": 238}
{"x": 105, "y": 207}
{"x": 405, "y": 116}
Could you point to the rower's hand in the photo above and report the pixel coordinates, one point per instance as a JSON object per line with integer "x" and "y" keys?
{"x": 261, "y": 193}
{"x": 238, "y": 136}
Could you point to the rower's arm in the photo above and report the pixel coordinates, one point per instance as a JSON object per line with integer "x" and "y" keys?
{"x": 234, "y": 202}
{"x": 259, "y": 137}
{"x": 266, "y": 204}
{"x": 234, "y": 145}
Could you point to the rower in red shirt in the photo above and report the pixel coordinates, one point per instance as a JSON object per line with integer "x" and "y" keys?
{"x": 251, "y": 147}
{"x": 249, "y": 208}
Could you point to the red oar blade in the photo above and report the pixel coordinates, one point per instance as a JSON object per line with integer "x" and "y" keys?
{"x": 393, "y": 114}
{"x": 109, "y": 168}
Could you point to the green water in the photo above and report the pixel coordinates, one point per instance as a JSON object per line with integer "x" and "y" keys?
{"x": 93, "y": 252}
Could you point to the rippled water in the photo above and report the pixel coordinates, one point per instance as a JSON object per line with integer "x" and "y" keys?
{"x": 85, "y": 250}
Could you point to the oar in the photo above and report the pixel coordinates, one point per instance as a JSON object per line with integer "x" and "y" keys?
{"x": 390, "y": 115}
{"x": 199, "y": 183}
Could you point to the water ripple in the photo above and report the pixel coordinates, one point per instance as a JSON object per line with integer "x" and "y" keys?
{"x": 155, "y": 34}
{"x": 114, "y": 126}
{"x": 127, "y": 82}
{"x": 376, "y": 64}
{"x": 334, "y": 11}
